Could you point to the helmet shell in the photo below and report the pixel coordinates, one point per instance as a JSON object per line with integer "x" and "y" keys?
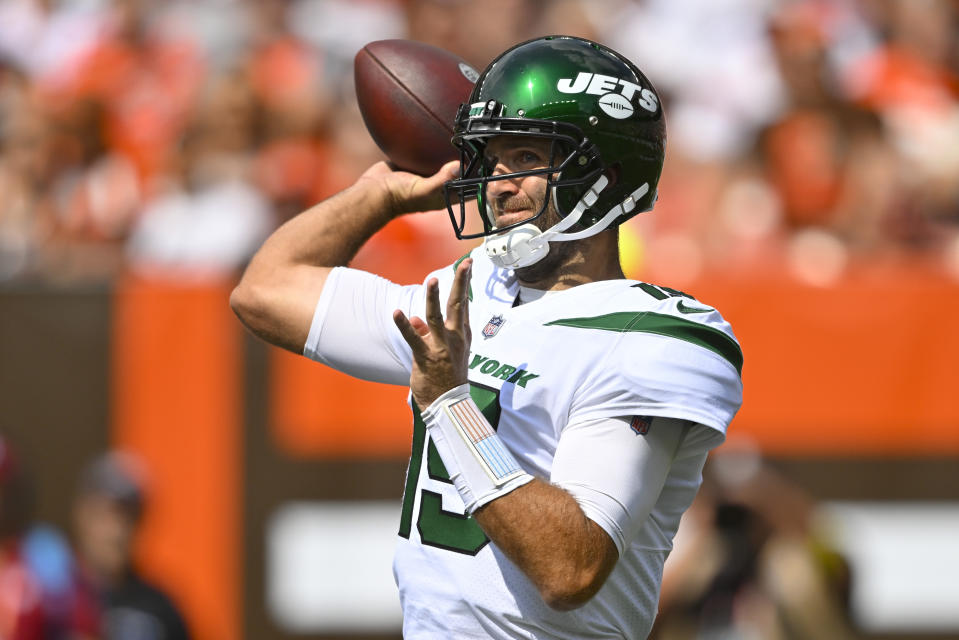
{"x": 585, "y": 84}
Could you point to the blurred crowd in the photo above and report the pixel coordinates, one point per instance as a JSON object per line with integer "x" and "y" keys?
{"x": 81, "y": 584}
{"x": 170, "y": 137}
{"x": 754, "y": 558}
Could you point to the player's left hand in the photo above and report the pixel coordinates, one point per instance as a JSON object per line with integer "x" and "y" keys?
{"x": 440, "y": 348}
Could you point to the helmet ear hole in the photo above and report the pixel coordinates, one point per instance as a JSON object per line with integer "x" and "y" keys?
{"x": 613, "y": 172}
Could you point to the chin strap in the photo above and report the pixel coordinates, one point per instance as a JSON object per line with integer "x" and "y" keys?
{"x": 527, "y": 244}
{"x": 516, "y": 248}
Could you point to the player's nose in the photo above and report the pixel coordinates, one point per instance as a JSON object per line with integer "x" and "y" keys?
{"x": 501, "y": 187}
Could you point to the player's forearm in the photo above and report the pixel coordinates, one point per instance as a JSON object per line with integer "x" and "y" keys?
{"x": 280, "y": 287}
{"x": 543, "y": 530}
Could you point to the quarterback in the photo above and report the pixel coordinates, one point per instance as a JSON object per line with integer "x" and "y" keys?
{"x": 561, "y": 412}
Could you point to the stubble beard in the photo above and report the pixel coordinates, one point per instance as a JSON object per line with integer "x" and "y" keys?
{"x": 559, "y": 255}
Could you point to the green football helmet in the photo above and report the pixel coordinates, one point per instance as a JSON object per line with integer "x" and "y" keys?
{"x": 607, "y": 137}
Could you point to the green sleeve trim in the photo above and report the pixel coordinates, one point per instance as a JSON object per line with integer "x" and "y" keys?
{"x": 665, "y": 325}
{"x": 469, "y": 291}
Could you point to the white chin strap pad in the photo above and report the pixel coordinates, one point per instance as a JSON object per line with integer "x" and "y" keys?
{"x": 516, "y": 248}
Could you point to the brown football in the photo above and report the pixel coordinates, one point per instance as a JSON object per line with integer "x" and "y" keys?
{"x": 408, "y": 93}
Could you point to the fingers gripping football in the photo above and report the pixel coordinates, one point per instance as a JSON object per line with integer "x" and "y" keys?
{"x": 410, "y": 193}
{"x": 440, "y": 346}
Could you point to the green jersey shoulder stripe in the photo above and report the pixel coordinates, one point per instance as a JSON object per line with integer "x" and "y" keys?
{"x": 664, "y": 325}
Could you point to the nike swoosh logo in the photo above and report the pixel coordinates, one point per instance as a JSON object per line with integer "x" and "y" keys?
{"x": 684, "y": 309}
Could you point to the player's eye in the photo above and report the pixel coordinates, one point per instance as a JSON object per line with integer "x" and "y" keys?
{"x": 528, "y": 159}
{"x": 514, "y": 160}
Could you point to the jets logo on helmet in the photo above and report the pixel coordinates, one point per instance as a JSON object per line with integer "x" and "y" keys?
{"x": 618, "y": 105}
{"x": 607, "y": 138}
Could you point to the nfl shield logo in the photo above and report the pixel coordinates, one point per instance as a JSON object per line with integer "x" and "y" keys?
{"x": 640, "y": 424}
{"x": 493, "y": 326}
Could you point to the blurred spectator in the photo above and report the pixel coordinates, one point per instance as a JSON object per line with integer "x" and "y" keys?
{"x": 498, "y": 34}
{"x": 109, "y": 504}
{"x": 570, "y": 17}
{"x": 26, "y": 210}
{"x": 454, "y": 24}
{"x": 913, "y": 83}
{"x": 21, "y": 608}
{"x": 829, "y": 160}
{"x": 435, "y": 22}
{"x": 713, "y": 60}
{"x": 44, "y": 38}
{"x": 289, "y": 80}
{"x": 146, "y": 75}
{"x": 286, "y": 74}
{"x": 210, "y": 216}
{"x": 67, "y": 612}
{"x": 340, "y": 28}
{"x": 96, "y": 195}
{"x": 38, "y": 594}
{"x": 750, "y": 561}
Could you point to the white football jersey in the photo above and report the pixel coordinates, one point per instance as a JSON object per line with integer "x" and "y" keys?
{"x": 609, "y": 349}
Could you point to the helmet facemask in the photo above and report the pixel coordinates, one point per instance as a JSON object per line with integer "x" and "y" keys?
{"x": 573, "y": 162}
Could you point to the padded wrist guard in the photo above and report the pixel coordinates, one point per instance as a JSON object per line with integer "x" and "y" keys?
{"x": 480, "y": 466}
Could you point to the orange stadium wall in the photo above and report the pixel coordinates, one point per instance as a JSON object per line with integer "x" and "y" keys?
{"x": 176, "y": 372}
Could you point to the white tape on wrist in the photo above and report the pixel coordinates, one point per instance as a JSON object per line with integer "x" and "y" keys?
{"x": 480, "y": 466}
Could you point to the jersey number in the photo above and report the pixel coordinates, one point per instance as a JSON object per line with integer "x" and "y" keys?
{"x": 438, "y": 527}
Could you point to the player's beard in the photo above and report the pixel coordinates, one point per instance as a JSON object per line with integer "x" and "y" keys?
{"x": 560, "y": 253}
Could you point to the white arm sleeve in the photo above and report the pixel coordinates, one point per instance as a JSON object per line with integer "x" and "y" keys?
{"x": 616, "y": 475}
{"x": 353, "y": 330}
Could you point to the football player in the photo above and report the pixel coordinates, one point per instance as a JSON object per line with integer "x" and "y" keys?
{"x": 562, "y": 413}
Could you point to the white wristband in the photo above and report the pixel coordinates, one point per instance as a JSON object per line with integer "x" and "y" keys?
{"x": 480, "y": 466}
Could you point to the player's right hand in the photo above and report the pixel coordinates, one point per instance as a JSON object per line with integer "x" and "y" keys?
{"x": 409, "y": 192}
{"x": 440, "y": 345}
